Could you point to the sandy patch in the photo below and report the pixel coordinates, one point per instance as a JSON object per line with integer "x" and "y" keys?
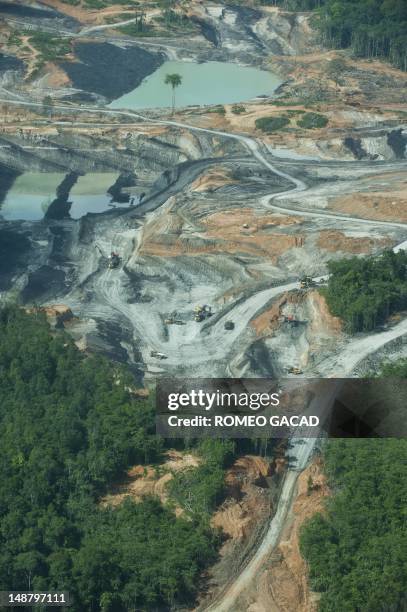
{"x": 377, "y": 205}
{"x": 334, "y": 241}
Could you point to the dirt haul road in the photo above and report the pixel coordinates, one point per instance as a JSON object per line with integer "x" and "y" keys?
{"x": 189, "y": 343}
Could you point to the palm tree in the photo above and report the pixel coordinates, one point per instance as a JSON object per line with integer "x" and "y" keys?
{"x": 175, "y": 81}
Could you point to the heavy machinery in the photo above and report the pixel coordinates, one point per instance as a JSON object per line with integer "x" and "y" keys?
{"x": 202, "y": 312}
{"x": 306, "y": 282}
{"x": 296, "y": 371}
{"x": 288, "y": 319}
{"x": 174, "y": 321}
{"x": 158, "y": 355}
{"x": 114, "y": 260}
{"x": 291, "y": 320}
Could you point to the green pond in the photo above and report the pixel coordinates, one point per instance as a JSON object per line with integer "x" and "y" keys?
{"x": 202, "y": 84}
{"x": 32, "y": 193}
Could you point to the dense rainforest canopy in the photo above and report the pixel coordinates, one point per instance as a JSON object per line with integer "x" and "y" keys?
{"x": 69, "y": 427}
{"x": 370, "y": 28}
{"x": 356, "y": 551}
{"x": 365, "y": 291}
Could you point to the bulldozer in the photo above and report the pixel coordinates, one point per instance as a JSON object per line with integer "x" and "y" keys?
{"x": 202, "y": 312}
{"x": 296, "y": 371}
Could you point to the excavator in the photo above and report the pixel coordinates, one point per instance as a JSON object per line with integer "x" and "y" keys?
{"x": 202, "y": 312}
{"x": 114, "y": 259}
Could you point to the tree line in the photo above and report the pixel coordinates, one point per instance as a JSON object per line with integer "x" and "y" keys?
{"x": 369, "y": 28}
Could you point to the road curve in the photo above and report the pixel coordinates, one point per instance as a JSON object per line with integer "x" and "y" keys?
{"x": 355, "y": 351}
{"x": 249, "y": 143}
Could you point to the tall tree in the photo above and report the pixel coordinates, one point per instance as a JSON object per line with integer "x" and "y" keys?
{"x": 175, "y": 80}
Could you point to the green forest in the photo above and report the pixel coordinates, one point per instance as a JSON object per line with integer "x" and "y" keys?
{"x": 364, "y": 292}
{"x": 356, "y": 550}
{"x": 369, "y": 28}
{"x": 69, "y": 427}
{"x": 397, "y": 369}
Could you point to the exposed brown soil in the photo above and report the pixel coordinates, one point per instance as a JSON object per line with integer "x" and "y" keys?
{"x": 283, "y": 587}
{"x": 380, "y": 205}
{"x": 323, "y": 322}
{"x": 57, "y": 314}
{"x": 89, "y": 16}
{"x": 239, "y": 513}
{"x": 56, "y": 77}
{"x": 298, "y": 304}
{"x": 213, "y": 179}
{"x": 335, "y": 241}
{"x": 250, "y": 482}
{"x": 225, "y": 232}
{"x": 142, "y": 481}
{"x": 268, "y": 321}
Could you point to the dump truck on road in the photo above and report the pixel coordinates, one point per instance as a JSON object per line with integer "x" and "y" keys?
{"x": 306, "y": 282}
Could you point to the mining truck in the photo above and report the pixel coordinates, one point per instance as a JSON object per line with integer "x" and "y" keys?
{"x": 306, "y": 282}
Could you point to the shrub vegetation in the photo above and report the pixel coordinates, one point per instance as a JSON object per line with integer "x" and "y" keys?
{"x": 312, "y": 120}
{"x": 272, "y": 124}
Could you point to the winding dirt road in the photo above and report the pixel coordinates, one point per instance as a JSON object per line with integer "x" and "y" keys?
{"x": 190, "y": 342}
